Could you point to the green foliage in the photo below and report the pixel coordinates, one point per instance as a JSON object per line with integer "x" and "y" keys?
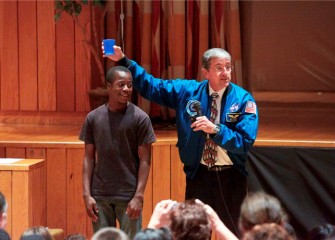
{"x": 73, "y": 7}
{"x": 92, "y": 43}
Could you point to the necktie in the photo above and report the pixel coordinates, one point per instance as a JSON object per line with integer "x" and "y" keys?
{"x": 210, "y": 152}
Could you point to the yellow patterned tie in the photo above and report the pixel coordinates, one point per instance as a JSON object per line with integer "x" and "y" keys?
{"x": 210, "y": 152}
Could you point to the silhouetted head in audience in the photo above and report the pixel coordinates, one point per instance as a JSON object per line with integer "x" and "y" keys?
{"x": 324, "y": 231}
{"x": 109, "y": 233}
{"x": 36, "y": 233}
{"x": 267, "y": 231}
{"x": 3, "y": 211}
{"x": 189, "y": 221}
{"x": 162, "y": 233}
{"x": 258, "y": 208}
{"x": 75, "y": 236}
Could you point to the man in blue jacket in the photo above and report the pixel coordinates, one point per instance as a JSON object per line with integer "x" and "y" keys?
{"x": 220, "y": 182}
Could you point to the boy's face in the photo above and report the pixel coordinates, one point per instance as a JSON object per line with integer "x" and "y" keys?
{"x": 121, "y": 88}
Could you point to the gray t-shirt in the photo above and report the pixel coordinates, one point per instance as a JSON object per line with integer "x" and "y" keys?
{"x": 116, "y": 137}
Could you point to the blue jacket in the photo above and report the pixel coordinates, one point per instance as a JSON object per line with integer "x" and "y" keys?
{"x": 238, "y": 117}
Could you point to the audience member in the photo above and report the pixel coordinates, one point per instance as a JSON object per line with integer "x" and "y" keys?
{"x": 3, "y": 217}
{"x": 324, "y": 231}
{"x": 162, "y": 233}
{"x": 160, "y": 216}
{"x": 267, "y": 231}
{"x": 36, "y": 233}
{"x": 218, "y": 227}
{"x": 258, "y": 208}
{"x": 110, "y": 233}
{"x": 75, "y": 236}
{"x": 3, "y": 211}
{"x": 191, "y": 219}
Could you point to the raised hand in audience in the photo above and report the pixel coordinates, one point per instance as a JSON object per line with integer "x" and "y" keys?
{"x": 221, "y": 231}
{"x": 161, "y": 214}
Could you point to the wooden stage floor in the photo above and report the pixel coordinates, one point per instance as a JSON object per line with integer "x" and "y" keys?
{"x": 300, "y": 126}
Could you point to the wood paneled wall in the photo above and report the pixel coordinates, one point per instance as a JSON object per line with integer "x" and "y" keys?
{"x": 65, "y": 206}
{"x": 43, "y": 65}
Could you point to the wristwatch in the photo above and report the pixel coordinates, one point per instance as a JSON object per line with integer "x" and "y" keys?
{"x": 216, "y": 128}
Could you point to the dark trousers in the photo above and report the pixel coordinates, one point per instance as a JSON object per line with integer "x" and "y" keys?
{"x": 224, "y": 191}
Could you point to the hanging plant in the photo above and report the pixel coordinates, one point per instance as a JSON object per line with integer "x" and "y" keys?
{"x": 91, "y": 43}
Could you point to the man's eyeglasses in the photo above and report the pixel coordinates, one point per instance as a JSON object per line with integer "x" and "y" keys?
{"x": 219, "y": 68}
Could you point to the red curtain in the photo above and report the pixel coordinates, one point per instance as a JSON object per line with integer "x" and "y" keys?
{"x": 168, "y": 38}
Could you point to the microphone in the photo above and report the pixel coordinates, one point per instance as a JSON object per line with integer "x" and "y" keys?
{"x": 197, "y": 107}
{"x": 194, "y": 110}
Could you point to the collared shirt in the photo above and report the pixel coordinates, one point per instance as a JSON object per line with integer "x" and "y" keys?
{"x": 222, "y": 157}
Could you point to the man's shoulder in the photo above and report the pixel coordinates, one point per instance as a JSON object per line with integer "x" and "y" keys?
{"x": 192, "y": 85}
{"x": 237, "y": 87}
{"x": 238, "y": 90}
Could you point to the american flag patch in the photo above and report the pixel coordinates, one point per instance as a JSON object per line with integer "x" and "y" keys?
{"x": 250, "y": 107}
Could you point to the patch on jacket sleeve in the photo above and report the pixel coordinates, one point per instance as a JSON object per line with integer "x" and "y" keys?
{"x": 250, "y": 107}
{"x": 232, "y": 117}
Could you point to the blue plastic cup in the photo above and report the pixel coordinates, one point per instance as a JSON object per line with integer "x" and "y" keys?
{"x": 108, "y": 46}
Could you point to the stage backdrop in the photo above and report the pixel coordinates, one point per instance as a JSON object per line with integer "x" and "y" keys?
{"x": 301, "y": 178}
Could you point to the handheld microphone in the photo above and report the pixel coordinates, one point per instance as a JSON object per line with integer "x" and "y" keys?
{"x": 197, "y": 111}
{"x": 193, "y": 108}
{"x": 197, "y": 107}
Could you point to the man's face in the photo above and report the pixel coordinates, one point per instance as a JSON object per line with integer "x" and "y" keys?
{"x": 219, "y": 73}
{"x": 121, "y": 88}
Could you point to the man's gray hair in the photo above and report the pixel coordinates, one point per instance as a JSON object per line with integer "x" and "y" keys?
{"x": 214, "y": 53}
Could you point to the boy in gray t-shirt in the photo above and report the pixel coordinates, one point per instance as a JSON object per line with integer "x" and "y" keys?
{"x": 118, "y": 137}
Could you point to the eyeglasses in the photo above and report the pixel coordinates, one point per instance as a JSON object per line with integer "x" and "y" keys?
{"x": 219, "y": 68}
